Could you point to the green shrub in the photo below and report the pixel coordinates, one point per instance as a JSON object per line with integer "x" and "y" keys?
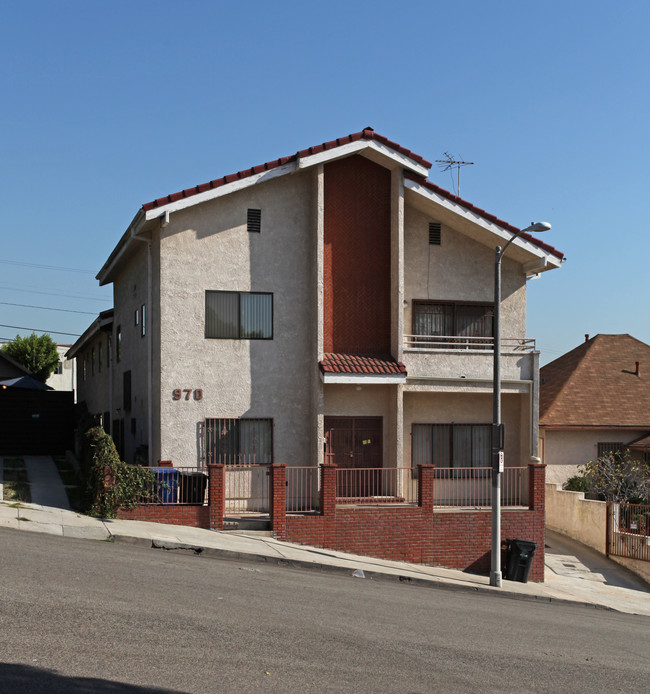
{"x": 130, "y": 483}
{"x": 577, "y": 483}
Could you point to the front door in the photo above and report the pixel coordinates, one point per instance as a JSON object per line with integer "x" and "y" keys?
{"x": 355, "y": 443}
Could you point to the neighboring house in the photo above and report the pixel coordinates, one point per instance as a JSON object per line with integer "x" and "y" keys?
{"x": 10, "y": 368}
{"x": 594, "y": 399}
{"x": 333, "y": 304}
{"x": 65, "y": 375}
{"x": 94, "y": 371}
{"x": 33, "y": 417}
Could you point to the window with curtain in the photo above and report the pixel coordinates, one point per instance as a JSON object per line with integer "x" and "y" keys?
{"x": 238, "y": 315}
{"x": 452, "y": 445}
{"x": 239, "y": 441}
{"x": 452, "y": 319}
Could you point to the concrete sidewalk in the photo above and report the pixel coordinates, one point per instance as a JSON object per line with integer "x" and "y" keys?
{"x": 574, "y": 573}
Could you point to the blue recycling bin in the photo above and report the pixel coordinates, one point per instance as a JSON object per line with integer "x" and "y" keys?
{"x": 166, "y": 484}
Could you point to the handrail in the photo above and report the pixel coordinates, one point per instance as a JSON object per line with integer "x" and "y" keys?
{"x": 446, "y": 342}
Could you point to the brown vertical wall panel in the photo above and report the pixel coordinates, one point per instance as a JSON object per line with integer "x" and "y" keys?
{"x": 357, "y": 257}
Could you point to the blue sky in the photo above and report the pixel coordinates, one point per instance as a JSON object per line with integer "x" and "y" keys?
{"x": 109, "y": 105}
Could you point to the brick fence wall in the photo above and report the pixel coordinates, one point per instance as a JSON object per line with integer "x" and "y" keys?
{"x": 419, "y": 534}
{"x": 195, "y": 515}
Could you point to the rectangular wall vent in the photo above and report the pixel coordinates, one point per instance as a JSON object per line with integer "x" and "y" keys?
{"x": 434, "y": 233}
{"x": 254, "y": 221}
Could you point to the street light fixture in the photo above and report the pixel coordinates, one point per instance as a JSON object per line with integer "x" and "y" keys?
{"x": 497, "y": 427}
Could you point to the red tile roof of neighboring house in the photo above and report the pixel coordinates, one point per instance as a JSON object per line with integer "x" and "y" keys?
{"x": 486, "y": 215}
{"x": 597, "y": 385}
{"x": 359, "y": 364}
{"x": 365, "y": 134}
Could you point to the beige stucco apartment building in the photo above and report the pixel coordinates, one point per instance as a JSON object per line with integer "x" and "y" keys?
{"x": 333, "y": 304}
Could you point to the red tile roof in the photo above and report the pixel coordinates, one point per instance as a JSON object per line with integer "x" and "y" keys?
{"x": 486, "y": 215}
{"x": 597, "y": 385}
{"x": 359, "y": 364}
{"x": 365, "y": 134}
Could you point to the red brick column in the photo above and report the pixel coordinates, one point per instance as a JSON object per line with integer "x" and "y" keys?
{"x": 425, "y": 502}
{"x": 537, "y": 486}
{"x": 425, "y": 488}
{"x": 327, "y": 489}
{"x": 217, "y": 495}
{"x": 278, "y": 500}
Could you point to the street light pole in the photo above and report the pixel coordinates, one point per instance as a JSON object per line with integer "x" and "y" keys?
{"x": 498, "y": 438}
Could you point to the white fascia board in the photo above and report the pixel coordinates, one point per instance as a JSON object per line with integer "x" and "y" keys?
{"x": 220, "y": 191}
{"x": 358, "y": 146}
{"x": 363, "y": 379}
{"x": 544, "y": 261}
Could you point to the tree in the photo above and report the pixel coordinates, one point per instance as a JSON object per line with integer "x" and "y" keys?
{"x": 617, "y": 476}
{"x": 38, "y": 354}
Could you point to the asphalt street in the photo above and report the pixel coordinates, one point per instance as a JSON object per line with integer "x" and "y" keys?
{"x": 83, "y": 616}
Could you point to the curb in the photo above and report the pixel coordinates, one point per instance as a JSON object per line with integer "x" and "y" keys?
{"x": 301, "y": 564}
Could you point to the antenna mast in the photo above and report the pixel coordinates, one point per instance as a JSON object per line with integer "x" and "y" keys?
{"x": 449, "y": 162}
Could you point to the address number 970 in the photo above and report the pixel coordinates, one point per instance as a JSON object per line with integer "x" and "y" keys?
{"x": 187, "y": 394}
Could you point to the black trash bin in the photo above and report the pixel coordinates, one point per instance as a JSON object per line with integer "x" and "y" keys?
{"x": 520, "y": 557}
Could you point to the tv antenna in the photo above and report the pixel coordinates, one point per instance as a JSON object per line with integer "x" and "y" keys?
{"x": 448, "y": 163}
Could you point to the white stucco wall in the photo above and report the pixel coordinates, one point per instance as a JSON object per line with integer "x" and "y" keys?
{"x": 67, "y": 379}
{"x": 208, "y": 247}
{"x": 564, "y": 450}
{"x": 460, "y": 269}
{"x": 130, "y": 292}
{"x": 573, "y": 515}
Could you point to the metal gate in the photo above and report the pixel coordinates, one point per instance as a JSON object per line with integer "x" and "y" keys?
{"x": 628, "y": 530}
{"x": 247, "y": 488}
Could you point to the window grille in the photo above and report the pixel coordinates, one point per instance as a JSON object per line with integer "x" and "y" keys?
{"x": 605, "y": 448}
{"x": 239, "y": 441}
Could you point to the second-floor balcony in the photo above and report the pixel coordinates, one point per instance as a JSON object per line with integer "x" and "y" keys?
{"x": 467, "y": 357}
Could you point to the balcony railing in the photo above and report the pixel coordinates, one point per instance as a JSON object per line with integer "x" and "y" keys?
{"x": 446, "y": 342}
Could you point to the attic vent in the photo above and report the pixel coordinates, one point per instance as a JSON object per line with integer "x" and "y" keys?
{"x": 254, "y": 221}
{"x": 434, "y": 233}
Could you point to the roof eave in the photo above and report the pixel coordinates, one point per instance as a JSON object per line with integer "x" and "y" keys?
{"x": 101, "y": 324}
{"x": 541, "y": 259}
{"x": 105, "y": 273}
